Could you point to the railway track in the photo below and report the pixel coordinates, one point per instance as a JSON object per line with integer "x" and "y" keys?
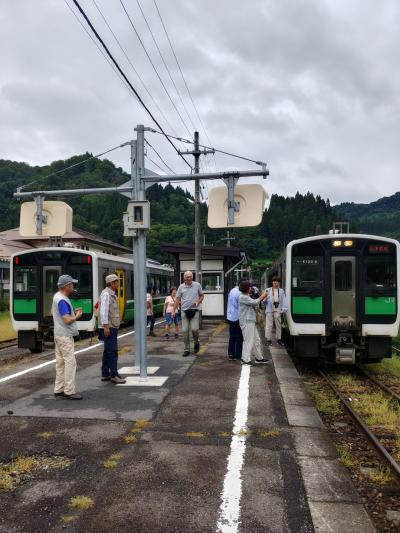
{"x": 7, "y": 344}
{"x": 366, "y": 430}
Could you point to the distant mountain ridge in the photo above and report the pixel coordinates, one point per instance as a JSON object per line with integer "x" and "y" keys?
{"x": 381, "y": 217}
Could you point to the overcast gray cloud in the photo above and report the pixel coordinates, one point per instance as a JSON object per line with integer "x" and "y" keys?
{"x": 311, "y": 87}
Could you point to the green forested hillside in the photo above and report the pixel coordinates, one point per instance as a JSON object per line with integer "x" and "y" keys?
{"x": 381, "y": 217}
{"x": 172, "y": 209}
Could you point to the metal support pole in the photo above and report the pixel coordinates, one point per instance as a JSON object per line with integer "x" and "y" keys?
{"x": 139, "y": 260}
{"x": 197, "y": 227}
{"x": 40, "y": 219}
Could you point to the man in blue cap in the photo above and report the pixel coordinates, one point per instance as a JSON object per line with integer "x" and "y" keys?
{"x": 65, "y": 329}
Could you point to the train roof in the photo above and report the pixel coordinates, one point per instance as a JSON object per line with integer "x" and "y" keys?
{"x": 150, "y": 263}
{"x": 344, "y": 236}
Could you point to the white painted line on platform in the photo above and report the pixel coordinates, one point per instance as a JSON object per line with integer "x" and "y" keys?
{"x": 136, "y": 370}
{"x": 151, "y": 381}
{"x": 52, "y": 361}
{"x": 229, "y": 513}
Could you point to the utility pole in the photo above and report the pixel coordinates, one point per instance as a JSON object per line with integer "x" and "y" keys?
{"x": 228, "y": 239}
{"x": 196, "y": 153}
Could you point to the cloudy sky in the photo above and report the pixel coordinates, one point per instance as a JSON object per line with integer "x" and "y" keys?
{"x": 312, "y": 87}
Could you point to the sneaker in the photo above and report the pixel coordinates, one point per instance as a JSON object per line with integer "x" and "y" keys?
{"x": 166, "y": 336}
{"x": 186, "y": 353}
{"x": 231, "y": 357}
{"x": 263, "y": 361}
{"x": 152, "y": 334}
{"x": 176, "y": 336}
{"x": 105, "y": 378}
{"x": 72, "y": 396}
{"x": 249, "y": 363}
{"x": 59, "y": 393}
{"x": 196, "y": 347}
{"x": 118, "y": 379}
{"x": 280, "y": 342}
{"x": 269, "y": 343}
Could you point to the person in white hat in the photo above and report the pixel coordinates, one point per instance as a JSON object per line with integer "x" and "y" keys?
{"x": 109, "y": 322}
{"x": 65, "y": 329}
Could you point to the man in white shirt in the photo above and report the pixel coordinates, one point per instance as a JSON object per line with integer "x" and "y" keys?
{"x": 189, "y": 297}
{"x": 109, "y": 322}
{"x": 275, "y": 307}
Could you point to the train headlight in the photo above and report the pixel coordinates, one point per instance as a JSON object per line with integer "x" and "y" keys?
{"x": 336, "y": 244}
{"x": 348, "y": 243}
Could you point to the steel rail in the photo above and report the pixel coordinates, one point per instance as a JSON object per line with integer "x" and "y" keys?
{"x": 384, "y": 387}
{"x": 368, "y": 433}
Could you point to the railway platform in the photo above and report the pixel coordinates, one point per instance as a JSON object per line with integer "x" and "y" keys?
{"x": 218, "y": 447}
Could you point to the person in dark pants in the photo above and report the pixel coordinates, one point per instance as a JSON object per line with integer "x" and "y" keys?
{"x": 108, "y": 331}
{"x": 235, "y": 333}
{"x": 150, "y": 311}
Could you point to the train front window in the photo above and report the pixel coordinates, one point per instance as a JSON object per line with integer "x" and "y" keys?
{"x": 307, "y": 272}
{"x": 380, "y": 272}
{"x": 25, "y": 278}
{"x": 84, "y": 277}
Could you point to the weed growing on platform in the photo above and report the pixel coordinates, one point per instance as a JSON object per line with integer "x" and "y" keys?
{"x": 195, "y": 434}
{"x": 45, "y": 435}
{"x": 68, "y": 519}
{"x": 116, "y": 456}
{"x": 6, "y": 481}
{"x": 81, "y": 502}
{"x": 110, "y": 463}
{"x": 224, "y": 434}
{"x": 130, "y": 439}
{"x": 142, "y": 423}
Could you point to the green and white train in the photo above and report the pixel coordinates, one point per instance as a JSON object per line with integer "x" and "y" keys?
{"x": 33, "y": 282}
{"x": 343, "y": 296}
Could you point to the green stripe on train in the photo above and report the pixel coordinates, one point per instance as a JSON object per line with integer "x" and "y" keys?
{"x": 85, "y": 303}
{"x": 25, "y": 306}
{"x": 380, "y": 305}
{"x": 306, "y": 305}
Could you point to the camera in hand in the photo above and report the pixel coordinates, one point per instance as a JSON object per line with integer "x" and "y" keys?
{"x": 254, "y": 293}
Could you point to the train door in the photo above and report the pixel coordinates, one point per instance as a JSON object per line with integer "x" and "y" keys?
{"x": 344, "y": 291}
{"x": 50, "y": 278}
{"x": 121, "y": 292}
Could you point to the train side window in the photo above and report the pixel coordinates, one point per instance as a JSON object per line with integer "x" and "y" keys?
{"x": 380, "y": 272}
{"x": 307, "y": 272}
{"x": 343, "y": 276}
{"x": 25, "y": 279}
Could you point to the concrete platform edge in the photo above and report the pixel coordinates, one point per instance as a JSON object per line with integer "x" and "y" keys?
{"x": 332, "y": 498}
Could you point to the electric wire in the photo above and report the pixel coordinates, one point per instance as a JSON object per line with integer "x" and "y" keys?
{"x": 152, "y": 64}
{"x": 165, "y": 64}
{"x": 127, "y": 80}
{"x": 159, "y": 156}
{"x": 155, "y": 164}
{"x": 73, "y": 166}
{"x": 181, "y": 72}
{"x": 130, "y": 63}
{"x": 187, "y": 141}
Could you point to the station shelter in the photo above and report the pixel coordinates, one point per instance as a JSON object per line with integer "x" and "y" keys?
{"x": 218, "y": 264}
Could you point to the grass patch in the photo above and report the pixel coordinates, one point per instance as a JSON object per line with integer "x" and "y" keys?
{"x": 45, "y": 435}
{"x": 245, "y": 432}
{"x": 130, "y": 439}
{"x": 347, "y": 383}
{"x": 382, "y": 477}
{"x": 325, "y": 400}
{"x": 224, "y": 434}
{"x": 380, "y": 410}
{"x": 388, "y": 367}
{"x": 116, "y": 456}
{"x": 142, "y": 423}
{"x": 7, "y": 332}
{"x": 81, "y": 502}
{"x": 23, "y": 467}
{"x": 346, "y": 457}
{"x": 68, "y": 519}
{"x": 195, "y": 434}
{"x": 110, "y": 463}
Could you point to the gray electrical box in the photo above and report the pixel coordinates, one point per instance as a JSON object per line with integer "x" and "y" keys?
{"x": 136, "y": 217}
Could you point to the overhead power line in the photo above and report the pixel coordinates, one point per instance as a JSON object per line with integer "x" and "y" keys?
{"x": 127, "y": 80}
{"x": 74, "y": 165}
{"x": 181, "y": 72}
{"x": 165, "y": 65}
{"x": 161, "y": 159}
{"x": 154, "y": 67}
{"x": 129, "y": 61}
{"x": 187, "y": 141}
